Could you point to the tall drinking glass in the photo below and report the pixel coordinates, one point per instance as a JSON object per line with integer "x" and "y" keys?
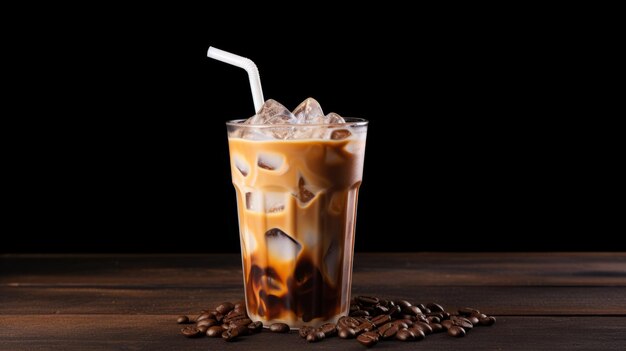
{"x": 297, "y": 201}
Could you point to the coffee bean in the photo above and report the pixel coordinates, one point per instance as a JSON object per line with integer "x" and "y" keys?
{"x": 434, "y": 307}
{"x": 305, "y": 330}
{"x": 445, "y": 314}
{"x": 389, "y": 332}
{"x": 394, "y": 310}
{"x": 382, "y": 319}
{"x": 225, "y": 307}
{"x": 240, "y": 330}
{"x": 488, "y": 321}
{"x": 239, "y": 310}
{"x": 408, "y": 322}
{"x": 361, "y": 320}
{"x": 329, "y": 329}
{"x": 479, "y": 315}
{"x": 255, "y": 327}
{"x": 369, "y": 310}
{"x": 462, "y": 322}
{"x": 279, "y": 328}
{"x": 367, "y": 300}
{"x": 240, "y": 304}
{"x": 215, "y": 331}
{"x": 239, "y": 322}
{"x": 354, "y": 308}
{"x": 405, "y": 335}
{"x": 365, "y": 327}
{"x": 403, "y": 303}
{"x": 411, "y": 310}
{"x": 467, "y": 311}
{"x": 379, "y": 309}
{"x": 315, "y": 336}
{"x": 233, "y": 333}
{"x": 203, "y": 317}
{"x": 234, "y": 316}
{"x": 437, "y": 328}
{"x": 191, "y": 332}
{"x": 447, "y": 324}
{"x": 456, "y": 331}
{"x": 236, "y": 319}
{"x": 408, "y": 316}
{"x": 207, "y": 323}
{"x": 359, "y": 313}
{"x": 381, "y": 329}
{"x": 182, "y": 320}
{"x": 435, "y": 319}
{"x": 368, "y": 339}
{"x": 473, "y": 320}
{"x": 228, "y": 335}
{"x": 423, "y": 308}
{"x": 202, "y": 329}
{"x": 419, "y": 334}
{"x": 347, "y": 322}
{"x": 401, "y": 324}
{"x": 424, "y": 326}
{"x": 346, "y": 333}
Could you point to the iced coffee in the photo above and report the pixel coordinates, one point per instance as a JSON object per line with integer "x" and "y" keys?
{"x": 297, "y": 176}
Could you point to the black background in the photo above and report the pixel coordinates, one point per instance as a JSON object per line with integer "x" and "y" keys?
{"x": 478, "y": 139}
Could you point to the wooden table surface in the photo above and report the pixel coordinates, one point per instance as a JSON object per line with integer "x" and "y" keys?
{"x": 543, "y": 301}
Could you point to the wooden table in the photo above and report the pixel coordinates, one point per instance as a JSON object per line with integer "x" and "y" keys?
{"x": 543, "y": 301}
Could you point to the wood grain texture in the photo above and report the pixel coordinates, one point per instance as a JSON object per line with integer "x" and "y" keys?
{"x": 544, "y": 301}
{"x": 160, "y": 332}
{"x": 493, "y": 300}
{"x": 428, "y": 269}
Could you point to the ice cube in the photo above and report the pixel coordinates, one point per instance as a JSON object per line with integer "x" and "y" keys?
{"x": 276, "y": 208}
{"x": 333, "y": 118}
{"x": 270, "y": 162}
{"x": 333, "y": 156}
{"x": 254, "y": 201}
{"x": 281, "y": 246}
{"x": 274, "y": 201}
{"x": 337, "y": 203}
{"x": 257, "y": 134}
{"x": 355, "y": 147}
{"x": 308, "y": 111}
{"x": 332, "y": 263}
{"x": 241, "y": 165}
{"x": 272, "y": 112}
{"x": 304, "y": 194}
{"x": 339, "y": 134}
{"x": 268, "y": 201}
{"x": 316, "y": 130}
{"x": 303, "y": 132}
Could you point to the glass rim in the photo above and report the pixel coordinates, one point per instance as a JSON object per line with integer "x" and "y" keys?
{"x": 350, "y": 122}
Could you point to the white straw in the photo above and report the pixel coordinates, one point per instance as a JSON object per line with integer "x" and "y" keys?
{"x": 249, "y": 66}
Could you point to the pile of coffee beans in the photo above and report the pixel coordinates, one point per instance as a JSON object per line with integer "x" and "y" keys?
{"x": 228, "y": 321}
{"x": 370, "y": 320}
